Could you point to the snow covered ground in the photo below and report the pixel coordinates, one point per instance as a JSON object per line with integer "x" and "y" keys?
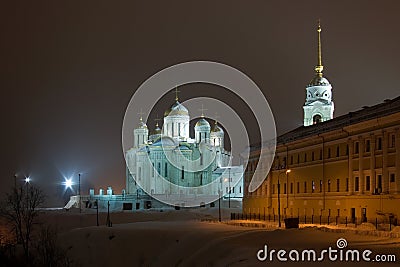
{"x": 194, "y": 237}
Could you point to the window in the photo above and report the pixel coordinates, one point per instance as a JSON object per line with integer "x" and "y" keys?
{"x": 298, "y": 187}
{"x": 379, "y": 144}
{"x": 240, "y": 189}
{"x": 320, "y": 185}
{"x": 312, "y": 156}
{"x": 337, "y": 185}
{"x": 298, "y": 158}
{"x": 284, "y": 188}
{"x": 201, "y": 179}
{"x": 392, "y": 178}
{"x": 379, "y": 185}
{"x": 347, "y": 150}
{"x": 291, "y": 159}
{"x": 159, "y": 168}
{"x": 320, "y": 154}
{"x": 305, "y": 157}
{"x": 356, "y": 148}
{"x": 291, "y": 188}
{"x": 347, "y": 184}
{"x": 368, "y": 146}
{"x": 152, "y": 171}
{"x": 312, "y": 186}
{"x": 183, "y": 172}
{"x": 329, "y": 185}
{"x": 305, "y": 187}
{"x": 356, "y": 184}
{"x": 337, "y": 151}
{"x": 227, "y": 190}
{"x": 317, "y": 118}
{"x": 329, "y": 153}
{"x": 393, "y": 142}
{"x": 367, "y": 183}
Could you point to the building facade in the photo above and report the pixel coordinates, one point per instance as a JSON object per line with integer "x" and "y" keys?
{"x": 168, "y": 159}
{"x": 348, "y": 166}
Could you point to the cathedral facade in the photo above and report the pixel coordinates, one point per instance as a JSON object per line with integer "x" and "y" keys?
{"x": 167, "y": 163}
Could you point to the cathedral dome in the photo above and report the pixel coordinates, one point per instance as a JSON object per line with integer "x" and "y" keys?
{"x": 202, "y": 123}
{"x": 176, "y": 109}
{"x": 318, "y": 81}
{"x": 157, "y": 130}
{"x": 142, "y": 125}
{"x": 216, "y": 129}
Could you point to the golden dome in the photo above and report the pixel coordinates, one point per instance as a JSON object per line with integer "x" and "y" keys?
{"x": 176, "y": 109}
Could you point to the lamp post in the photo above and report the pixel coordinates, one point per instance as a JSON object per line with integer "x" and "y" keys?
{"x": 27, "y": 180}
{"x": 79, "y": 193}
{"x": 279, "y": 197}
{"x": 219, "y": 199}
{"x": 229, "y": 185}
{"x": 287, "y": 188}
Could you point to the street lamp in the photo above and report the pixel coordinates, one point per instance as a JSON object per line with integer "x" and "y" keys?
{"x": 27, "y": 180}
{"x": 229, "y": 186}
{"x": 79, "y": 193}
{"x": 68, "y": 183}
{"x": 279, "y": 196}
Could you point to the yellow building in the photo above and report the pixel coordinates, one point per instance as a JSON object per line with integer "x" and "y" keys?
{"x": 344, "y": 167}
{"x": 347, "y": 166}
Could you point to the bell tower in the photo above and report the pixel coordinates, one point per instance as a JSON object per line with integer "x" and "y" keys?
{"x": 319, "y": 106}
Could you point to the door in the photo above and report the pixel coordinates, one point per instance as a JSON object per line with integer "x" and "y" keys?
{"x": 364, "y": 215}
{"x": 353, "y": 215}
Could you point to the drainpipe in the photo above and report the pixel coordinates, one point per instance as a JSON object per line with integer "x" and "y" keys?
{"x": 323, "y": 173}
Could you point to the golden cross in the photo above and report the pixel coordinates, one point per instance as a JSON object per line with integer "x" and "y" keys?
{"x": 157, "y": 119}
{"x": 216, "y": 116}
{"x": 202, "y": 110}
{"x": 141, "y": 113}
{"x": 176, "y": 93}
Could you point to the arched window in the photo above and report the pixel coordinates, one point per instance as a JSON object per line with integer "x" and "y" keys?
{"x": 317, "y": 119}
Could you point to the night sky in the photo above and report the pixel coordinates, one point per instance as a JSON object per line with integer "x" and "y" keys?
{"x": 69, "y": 69}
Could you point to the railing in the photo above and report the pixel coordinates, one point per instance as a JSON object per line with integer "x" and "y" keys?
{"x": 385, "y": 224}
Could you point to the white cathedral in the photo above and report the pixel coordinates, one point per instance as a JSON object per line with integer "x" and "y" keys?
{"x": 198, "y": 166}
{"x": 170, "y": 154}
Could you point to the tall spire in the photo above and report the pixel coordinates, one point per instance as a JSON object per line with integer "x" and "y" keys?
{"x": 319, "y": 68}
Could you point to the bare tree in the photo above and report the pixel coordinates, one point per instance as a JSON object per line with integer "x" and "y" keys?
{"x": 20, "y": 209}
{"x": 47, "y": 250}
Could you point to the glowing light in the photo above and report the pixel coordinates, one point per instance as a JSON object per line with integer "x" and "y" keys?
{"x": 27, "y": 179}
{"x": 68, "y": 183}
{"x": 288, "y": 171}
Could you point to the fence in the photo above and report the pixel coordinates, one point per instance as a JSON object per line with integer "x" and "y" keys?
{"x": 385, "y": 224}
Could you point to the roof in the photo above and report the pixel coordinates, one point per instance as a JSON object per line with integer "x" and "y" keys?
{"x": 389, "y": 106}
